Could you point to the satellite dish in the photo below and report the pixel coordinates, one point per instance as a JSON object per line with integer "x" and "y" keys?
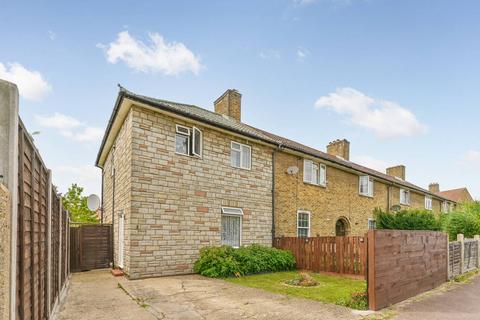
{"x": 292, "y": 170}
{"x": 93, "y": 202}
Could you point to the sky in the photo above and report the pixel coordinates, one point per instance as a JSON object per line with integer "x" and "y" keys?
{"x": 398, "y": 79}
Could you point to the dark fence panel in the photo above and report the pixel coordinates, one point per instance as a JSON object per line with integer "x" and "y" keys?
{"x": 344, "y": 255}
{"x": 402, "y": 264}
{"x": 90, "y": 247}
{"x": 35, "y": 235}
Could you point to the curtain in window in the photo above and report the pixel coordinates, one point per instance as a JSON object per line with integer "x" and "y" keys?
{"x": 231, "y": 231}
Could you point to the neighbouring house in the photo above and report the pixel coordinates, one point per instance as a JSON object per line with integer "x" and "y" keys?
{"x": 177, "y": 178}
{"x": 459, "y": 195}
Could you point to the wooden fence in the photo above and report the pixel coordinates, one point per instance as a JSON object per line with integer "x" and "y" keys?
{"x": 344, "y": 255}
{"x": 463, "y": 255}
{"x": 42, "y": 244}
{"x": 90, "y": 247}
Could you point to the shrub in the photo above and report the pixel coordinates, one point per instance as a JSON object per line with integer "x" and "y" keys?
{"x": 222, "y": 262}
{"x": 466, "y": 223}
{"x": 407, "y": 220}
{"x": 358, "y": 300}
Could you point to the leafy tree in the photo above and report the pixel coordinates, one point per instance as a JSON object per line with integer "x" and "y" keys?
{"x": 76, "y": 204}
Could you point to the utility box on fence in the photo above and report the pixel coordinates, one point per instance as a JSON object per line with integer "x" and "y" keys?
{"x": 403, "y": 263}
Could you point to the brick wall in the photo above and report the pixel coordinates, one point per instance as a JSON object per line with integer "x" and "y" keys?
{"x": 4, "y": 252}
{"x": 402, "y": 264}
{"x": 176, "y": 200}
{"x": 339, "y": 199}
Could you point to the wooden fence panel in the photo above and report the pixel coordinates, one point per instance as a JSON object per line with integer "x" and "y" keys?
{"x": 34, "y": 235}
{"x": 90, "y": 247}
{"x": 344, "y": 255}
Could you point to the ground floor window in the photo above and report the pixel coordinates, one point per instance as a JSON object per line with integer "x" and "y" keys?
{"x": 372, "y": 224}
{"x": 303, "y": 224}
{"x": 231, "y": 227}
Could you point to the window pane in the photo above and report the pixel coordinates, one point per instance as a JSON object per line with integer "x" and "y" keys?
{"x": 181, "y": 144}
{"x": 245, "y": 157}
{"x": 231, "y": 231}
{"x": 315, "y": 173}
{"x": 363, "y": 185}
{"x": 302, "y": 232}
{"x": 197, "y": 141}
{"x": 236, "y": 146}
{"x": 323, "y": 174}
{"x": 235, "y": 158}
{"x": 307, "y": 171}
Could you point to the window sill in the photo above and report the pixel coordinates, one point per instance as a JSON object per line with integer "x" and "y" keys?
{"x": 405, "y": 204}
{"x": 366, "y": 195}
{"x": 247, "y": 169}
{"x": 188, "y": 155}
{"x": 314, "y": 184}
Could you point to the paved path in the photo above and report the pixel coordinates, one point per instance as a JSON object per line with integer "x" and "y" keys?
{"x": 459, "y": 303}
{"x": 196, "y": 297}
{"x": 96, "y": 295}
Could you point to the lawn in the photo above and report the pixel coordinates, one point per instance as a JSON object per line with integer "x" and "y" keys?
{"x": 331, "y": 289}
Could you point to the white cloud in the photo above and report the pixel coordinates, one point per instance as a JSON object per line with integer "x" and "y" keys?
{"x": 269, "y": 54}
{"x": 302, "y": 53}
{"x": 70, "y": 127}
{"x": 87, "y": 176}
{"x": 170, "y": 58}
{"x": 371, "y": 162}
{"x": 31, "y": 84}
{"x": 52, "y": 35}
{"x": 386, "y": 119}
{"x": 472, "y": 159}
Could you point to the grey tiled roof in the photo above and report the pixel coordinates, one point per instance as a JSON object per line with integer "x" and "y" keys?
{"x": 218, "y": 120}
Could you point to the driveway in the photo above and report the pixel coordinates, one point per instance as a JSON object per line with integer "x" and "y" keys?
{"x": 196, "y": 297}
{"x": 461, "y": 302}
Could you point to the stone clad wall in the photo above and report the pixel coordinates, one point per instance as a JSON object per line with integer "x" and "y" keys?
{"x": 4, "y": 252}
{"x": 340, "y": 198}
{"x": 177, "y": 199}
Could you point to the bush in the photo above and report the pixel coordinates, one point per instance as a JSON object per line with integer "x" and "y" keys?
{"x": 466, "y": 223}
{"x": 407, "y": 220}
{"x": 222, "y": 262}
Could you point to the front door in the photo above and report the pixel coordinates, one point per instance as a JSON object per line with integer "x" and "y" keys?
{"x": 121, "y": 238}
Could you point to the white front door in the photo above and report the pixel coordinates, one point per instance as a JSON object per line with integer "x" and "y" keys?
{"x": 121, "y": 238}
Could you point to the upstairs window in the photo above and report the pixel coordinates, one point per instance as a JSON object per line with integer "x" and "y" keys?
{"x": 428, "y": 202}
{"x": 365, "y": 186}
{"x": 314, "y": 173}
{"x": 188, "y": 141}
{"x": 404, "y": 197}
{"x": 240, "y": 155}
{"x": 303, "y": 224}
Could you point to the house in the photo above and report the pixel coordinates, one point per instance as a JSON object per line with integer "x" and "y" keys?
{"x": 459, "y": 195}
{"x": 177, "y": 178}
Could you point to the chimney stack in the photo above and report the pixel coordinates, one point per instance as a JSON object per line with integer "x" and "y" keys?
{"x": 397, "y": 171}
{"x": 434, "y": 187}
{"x": 229, "y": 104}
{"x": 339, "y": 148}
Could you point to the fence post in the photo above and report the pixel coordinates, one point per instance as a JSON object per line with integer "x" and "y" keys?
{"x": 477, "y": 238}
{"x": 461, "y": 239}
{"x": 449, "y": 274}
{"x": 9, "y": 176}
{"x": 49, "y": 244}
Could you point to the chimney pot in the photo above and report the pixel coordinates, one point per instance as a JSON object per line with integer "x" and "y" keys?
{"x": 339, "y": 148}
{"x": 397, "y": 171}
{"x": 229, "y": 104}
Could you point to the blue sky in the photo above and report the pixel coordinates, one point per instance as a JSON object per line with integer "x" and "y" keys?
{"x": 399, "y": 79}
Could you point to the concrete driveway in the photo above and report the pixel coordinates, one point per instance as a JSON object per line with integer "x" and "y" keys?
{"x": 461, "y": 302}
{"x": 196, "y": 297}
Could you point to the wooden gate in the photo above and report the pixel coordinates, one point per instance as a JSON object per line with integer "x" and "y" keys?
{"x": 90, "y": 247}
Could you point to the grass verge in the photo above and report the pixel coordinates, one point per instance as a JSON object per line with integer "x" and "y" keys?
{"x": 331, "y": 289}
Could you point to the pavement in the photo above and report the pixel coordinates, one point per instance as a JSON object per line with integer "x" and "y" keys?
{"x": 462, "y": 302}
{"x": 98, "y": 295}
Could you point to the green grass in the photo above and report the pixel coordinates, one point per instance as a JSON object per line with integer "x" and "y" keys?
{"x": 331, "y": 289}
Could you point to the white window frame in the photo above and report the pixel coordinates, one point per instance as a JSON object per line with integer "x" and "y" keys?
{"x": 309, "y": 225}
{"x": 428, "y": 203}
{"x": 178, "y": 131}
{"x": 322, "y": 178}
{"x": 445, "y": 207}
{"x": 194, "y": 129}
{"x": 372, "y": 221}
{"x": 406, "y": 201}
{"x": 370, "y": 186}
{"x": 242, "y": 165}
{"x": 233, "y": 212}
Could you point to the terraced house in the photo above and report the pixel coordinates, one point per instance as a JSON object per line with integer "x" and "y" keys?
{"x": 177, "y": 178}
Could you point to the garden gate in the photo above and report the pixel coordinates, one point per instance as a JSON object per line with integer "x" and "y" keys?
{"x": 90, "y": 247}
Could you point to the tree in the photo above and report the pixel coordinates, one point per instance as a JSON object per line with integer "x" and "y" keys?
{"x": 76, "y": 204}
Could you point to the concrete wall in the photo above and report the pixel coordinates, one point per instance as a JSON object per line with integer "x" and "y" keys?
{"x": 339, "y": 199}
{"x": 177, "y": 199}
{"x": 5, "y": 225}
{"x": 402, "y": 264}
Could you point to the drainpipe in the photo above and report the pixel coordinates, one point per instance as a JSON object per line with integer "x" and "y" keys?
{"x": 273, "y": 196}
{"x": 101, "y": 208}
